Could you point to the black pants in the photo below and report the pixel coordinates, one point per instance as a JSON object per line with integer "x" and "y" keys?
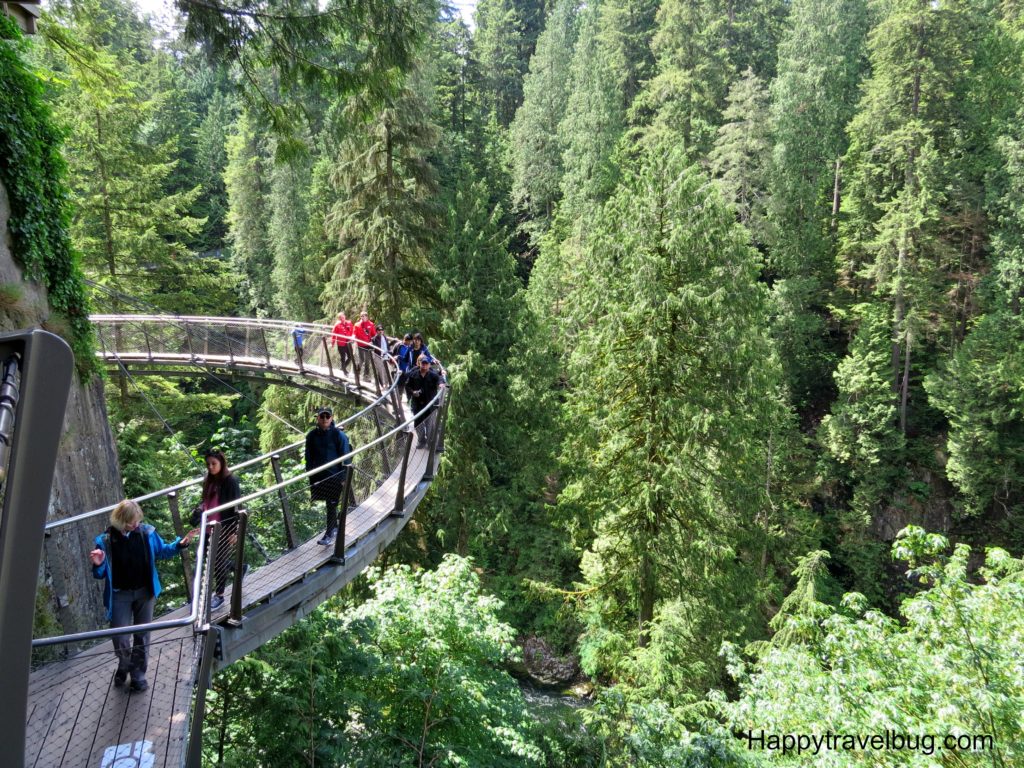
{"x": 344, "y": 356}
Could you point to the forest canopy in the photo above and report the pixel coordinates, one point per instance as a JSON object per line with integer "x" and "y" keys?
{"x": 729, "y": 298}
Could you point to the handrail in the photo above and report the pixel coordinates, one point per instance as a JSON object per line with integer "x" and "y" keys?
{"x": 97, "y": 634}
{"x": 387, "y": 358}
{"x": 199, "y": 578}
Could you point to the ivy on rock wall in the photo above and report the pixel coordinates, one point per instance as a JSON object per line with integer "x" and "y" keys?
{"x": 32, "y": 170}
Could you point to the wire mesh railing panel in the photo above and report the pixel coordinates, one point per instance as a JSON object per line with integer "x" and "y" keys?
{"x": 91, "y": 718}
{"x": 279, "y": 515}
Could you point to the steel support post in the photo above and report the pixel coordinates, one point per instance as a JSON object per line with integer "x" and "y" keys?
{"x": 38, "y": 365}
{"x": 339, "y": 541}
{"x": 286, "y": 513}
{"x": 399, "y": 510}
{"x": 179, "y": 529}
{"x": 327, "y": 356}
{"x": 356, "y": 362}
{"x": 194, "y": 756}
{"x": 242, "y": 526}
{"x": 435, "y": 419}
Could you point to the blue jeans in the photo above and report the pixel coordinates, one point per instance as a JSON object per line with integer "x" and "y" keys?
{"x": 132, "y": 606}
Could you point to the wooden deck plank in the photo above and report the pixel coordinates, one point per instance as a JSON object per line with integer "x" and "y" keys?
{"x": 40, "y": 720}
{"x": 55, "y": 741}
{"x": 140, "y": 733}
{"x": 106, "y": 722}
{"x": 177, "y": 739}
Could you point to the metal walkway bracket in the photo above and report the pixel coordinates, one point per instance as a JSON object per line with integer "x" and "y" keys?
{"x": 39, "y": 364}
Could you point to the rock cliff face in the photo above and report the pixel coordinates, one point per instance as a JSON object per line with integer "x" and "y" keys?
{"x": 87, "y": 475}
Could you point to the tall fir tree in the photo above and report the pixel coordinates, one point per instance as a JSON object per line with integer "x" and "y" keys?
{"x": 292, "y": 236}
{"x": 979, "y": 389}
{"x": 494, "y": 456}
{"x": 822, "y": 59}
{"x": 907, "y": 178}
{"x": 624, "y": 36}
{"x": 384, "y": 217}
{"x": 676, "y": 391}
{"x": 684, "y": 99}
{"x": 536, "y": 153}
{"x": 247, "y": 182}
{"x": 593, "y": 122}
{"x": 132, "y": 227}
{"x": 505, "y": 38}
{"x": 740, "y": 158}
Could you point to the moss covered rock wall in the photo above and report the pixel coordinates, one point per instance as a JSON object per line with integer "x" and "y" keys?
{"x": 41, "y": 286}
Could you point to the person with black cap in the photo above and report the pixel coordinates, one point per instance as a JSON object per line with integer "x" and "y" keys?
{"x": 421, "y": 386}
{"x": 325, "y": 443}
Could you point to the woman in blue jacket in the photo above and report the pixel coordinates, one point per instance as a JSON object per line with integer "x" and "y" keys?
{"x": 126, "y": 555}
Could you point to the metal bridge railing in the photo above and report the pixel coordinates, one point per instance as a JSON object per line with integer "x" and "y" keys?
{"x": 279, "y": 515}
{"x": 243, "y": 343}
{"x": 274, "y": 518}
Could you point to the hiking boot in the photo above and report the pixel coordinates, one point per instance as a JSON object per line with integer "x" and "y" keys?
{"x": 119, "y": 678}
{"x": 140, "y": 685}
{"x": 216, "y": 602}
{"x": 328, "y": 537}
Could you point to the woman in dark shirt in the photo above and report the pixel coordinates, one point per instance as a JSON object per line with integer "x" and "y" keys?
{"x": 220, "y": 487}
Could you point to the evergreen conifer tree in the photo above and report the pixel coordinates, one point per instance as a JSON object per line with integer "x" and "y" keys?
{"x": 247, "y": 181}
{"x": 821, "y": 62}
{"x": 536, "y": 152}
{"x": 739, "y": 160}
{"x": 677, "y": 390}
{"x": 383, "y": 219}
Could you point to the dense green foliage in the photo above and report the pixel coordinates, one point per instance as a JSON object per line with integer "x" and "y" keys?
{"x": 680, "y": 425}
{"x": 728, "y": 294}
{"x": 33, "y": 173}
{"x": 410, "y": 677}
{"x": 949, "y": 662}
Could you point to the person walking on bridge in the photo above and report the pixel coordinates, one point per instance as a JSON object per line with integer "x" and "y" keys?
{"x": 421, "y": 386}
{"x": 125, "y": 556}
{"x": 325, "y": 443}
{"x": 219, "y": 487}
{"x": 365, "y": 330}
{"x": 400, "y": 351}
{"x": 416, "y": 348}
{"x": 298, "y": 334}
{"x": 341, "y": 337}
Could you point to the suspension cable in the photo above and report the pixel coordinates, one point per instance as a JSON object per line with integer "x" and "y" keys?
{"x": 159, "y": 415}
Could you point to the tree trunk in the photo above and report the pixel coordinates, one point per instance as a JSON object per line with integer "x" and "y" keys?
{"x": 905, "y": 386}
{"x": 646, "y": 613}
{"x": 835, "y": 197}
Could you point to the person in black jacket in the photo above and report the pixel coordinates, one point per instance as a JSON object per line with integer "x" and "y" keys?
{"x": 421, "y": 386}
{"x": 125, "y": 558}
{"x": 325, "y": 443}
{"x": 220, "y": 487}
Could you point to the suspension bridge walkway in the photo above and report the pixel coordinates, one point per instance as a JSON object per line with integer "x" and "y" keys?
{"x": 76, "y": 716}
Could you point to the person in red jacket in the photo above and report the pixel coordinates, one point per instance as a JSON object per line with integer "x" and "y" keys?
{"x": 365, "y": 330}
{"x": 340, "y": 337}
